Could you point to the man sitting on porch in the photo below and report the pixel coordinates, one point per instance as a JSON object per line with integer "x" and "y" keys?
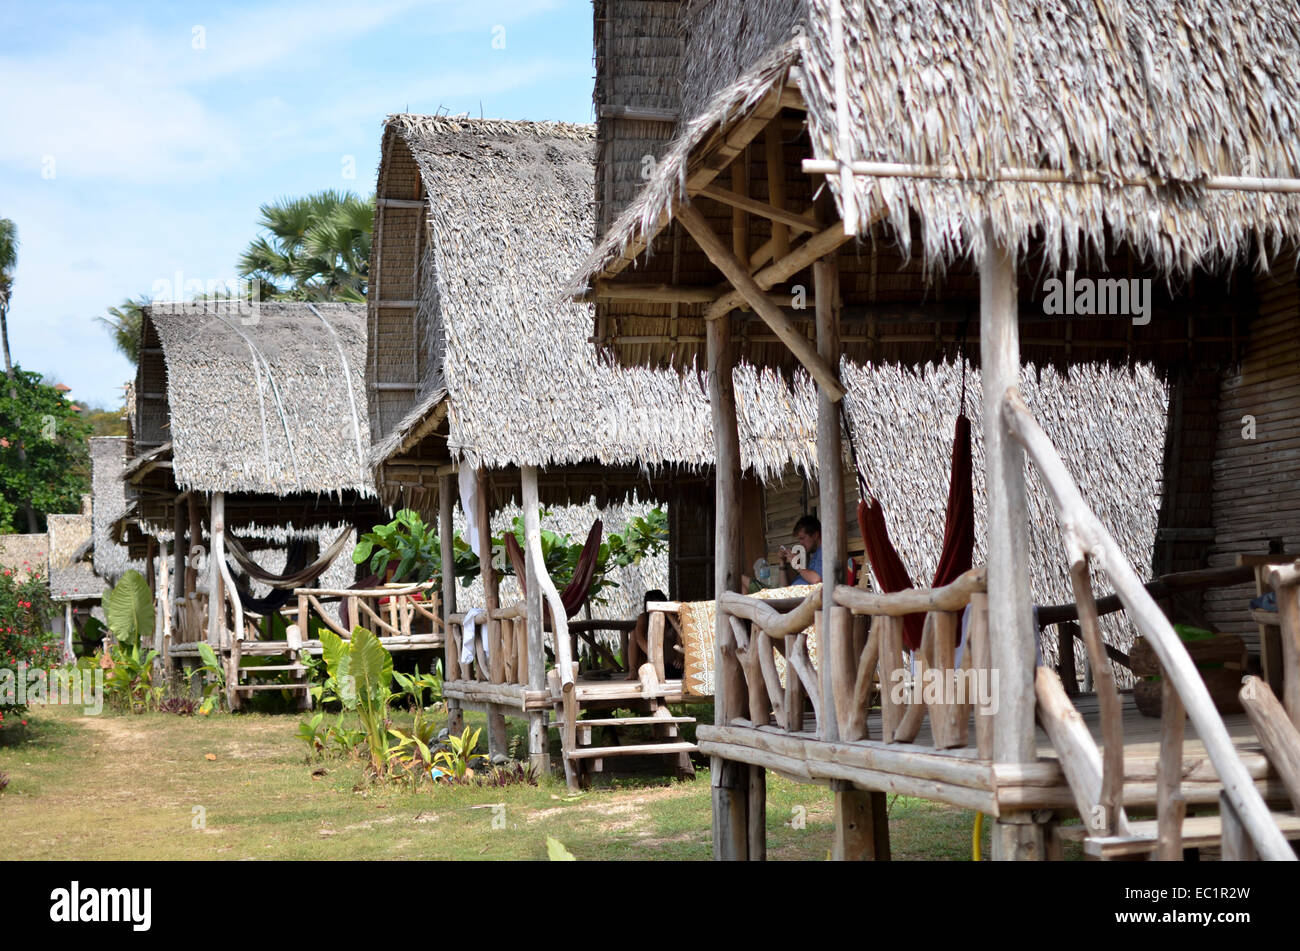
{"x": 808, "y": 535}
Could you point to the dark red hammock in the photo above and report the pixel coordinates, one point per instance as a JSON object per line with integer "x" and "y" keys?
{"x": 958, "y": 534}
{"x": 575, "y": 592}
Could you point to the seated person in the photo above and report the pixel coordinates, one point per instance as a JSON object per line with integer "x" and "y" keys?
{"x": 638, "y": 642}
{"x": 808, "y": 533}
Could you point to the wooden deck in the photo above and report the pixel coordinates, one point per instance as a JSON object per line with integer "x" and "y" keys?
{"x": 959, "y": 777}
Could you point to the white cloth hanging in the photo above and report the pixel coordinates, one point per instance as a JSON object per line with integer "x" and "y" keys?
{"x": 475, "y": 619}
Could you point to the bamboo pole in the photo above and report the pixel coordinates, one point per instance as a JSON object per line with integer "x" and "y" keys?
{"x": 1108, "y": 701}
{"x": 559, "y": 617}
{"x": 1281, "y": 740}
{"x": 730, "y": 779}
{"x": 1011, "y": 622}
{"x": 1087, "y": 534}
{"x": 1172, "y": 807}
{"x": 752, "y": 293}
{"x": 538, "y": 749}
{"x": 497, "y": 742}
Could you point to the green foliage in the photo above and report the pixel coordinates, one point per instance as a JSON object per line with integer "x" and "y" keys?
{"x": 124, "y": 323}
{"x": 415, "y": 686}
{"x": 128, "y": 677}
{"x": 128, "y": 608}
{"x": 456, "y": 762}
{"x": 25, "y": 611}
{"x": 415, "y": 548}
{"x": 214, "y": 679}
{"x": 44, "y": 460}
{"x": 313, "y": 248}
{"x": 644, "y": 537}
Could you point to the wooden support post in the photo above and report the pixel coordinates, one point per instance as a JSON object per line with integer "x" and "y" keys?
{"x": 216, "y": 603}
{"x": 861, "y": 824}
{"x": 1011, "y": 620}
{"x": 1288, "y": 613}
{"x": 752, "y": 294}
{"x": 836, "y": 654}
{"x": 447, "y": 491}
{"x": 150, "y": 564}
{"x": 497, "y": 740}
{"x": 1237, "y": 844}
{"x": 541, "y": 581}
{"x": 538, "y": 750}
{"x": 180, "y": 548}
{"x": 1065, "y": 633}
{"x": 1170, "y": 805}
{"x": 775, "y": 156}
{"x": 1281, "y": 741}
{"x": 730, "y": 779}
{"x": 194, "y": 540}
{"x": 978, "y": 634}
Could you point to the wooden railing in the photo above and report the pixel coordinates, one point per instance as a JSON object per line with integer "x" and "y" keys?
{"x": 872, "y": 624}
{"x": 1096, "y": 778}
{"x": 407, "y": 611}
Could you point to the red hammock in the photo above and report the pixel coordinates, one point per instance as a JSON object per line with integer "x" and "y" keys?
{"x": 958, "y": 534}
{"x": 575, "y": 592}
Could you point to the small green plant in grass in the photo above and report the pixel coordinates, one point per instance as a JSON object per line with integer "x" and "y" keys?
{"x": 359, "y": 677}
{"x": 313, "y": 734}
{"x": 456, "y": 763}
{"x": 213, "y": 679}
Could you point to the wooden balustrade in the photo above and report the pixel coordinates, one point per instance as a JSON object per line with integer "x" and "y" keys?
{"x": 941, "y": 688}
{"x": 1097, "y": 780}
{"x": 406, "y": 611}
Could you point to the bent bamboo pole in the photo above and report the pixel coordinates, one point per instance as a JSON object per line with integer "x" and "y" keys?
{"x": 1085, "y": 534}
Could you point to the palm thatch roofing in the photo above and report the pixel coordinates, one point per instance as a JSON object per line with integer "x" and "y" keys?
{"x": 1147, "y": 105}
{"x": 263, "y": 399}
{"x": 471, "y": 348}
{"x": 108, "y": 503}
{"x": 72, "y": 576}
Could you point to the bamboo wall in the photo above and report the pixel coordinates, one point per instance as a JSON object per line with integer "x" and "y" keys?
{"x": 1257, "y": 481}
{"x": 396, "y": 354}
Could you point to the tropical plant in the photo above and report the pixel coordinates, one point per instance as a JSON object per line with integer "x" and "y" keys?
{"x": 128, "y": 677}
{"x": 556, "y": 852}
{"x": 414, "y": 686}
{"x": 313, "y": 248}
{"x": 643, "y": 537}
{"x": 456, "y": 762}
{"x": 213, "y": 675}
{"x": 415, "y": 548}
{"x": 124, "y": 323}
{"x": 313, "y": 734}
{"x": 25, "y": 611}
{"x": 128, "y": 608}
{"x": 44, "y": 459}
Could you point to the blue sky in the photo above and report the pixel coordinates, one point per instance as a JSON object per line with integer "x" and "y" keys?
{"x": 137, "y": 140}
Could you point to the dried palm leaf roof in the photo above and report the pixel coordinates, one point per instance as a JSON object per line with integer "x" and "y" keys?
{"x": 108, "y": 503}
{"x": 267, "y": 400}
{"x": 508, "y": 215}
{"x": 72, "y": 578}
{"x": 1167, "y": 94}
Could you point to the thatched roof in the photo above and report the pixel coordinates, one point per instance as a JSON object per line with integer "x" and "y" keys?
{"x": 508, "y": 216}
{"x": 108, "y": 502}
{"x": 268, "y": 401}
{"x": 72, "y": 576}
{"x": 1166, "y": 94}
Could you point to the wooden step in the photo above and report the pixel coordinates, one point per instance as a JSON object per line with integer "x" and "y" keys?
{"x": 1198, "y": 832}
{"x": 273, "y": 668}
{"x": 625, "y": 721}
{"x": 250, "y": 687}
{"x": 265, "y": 648}
{"x": 640, "y": 749}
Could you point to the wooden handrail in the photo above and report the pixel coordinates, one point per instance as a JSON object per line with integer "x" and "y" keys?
{"x": 1165, "y": 585}
{"x": 951, "y": 597}
{"x": 1086, "y": 536}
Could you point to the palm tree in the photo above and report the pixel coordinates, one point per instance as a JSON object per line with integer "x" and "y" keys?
{"x": 123, "y": 323}
{"x": 316, "y": 247}
{"x": 8, "y": 261}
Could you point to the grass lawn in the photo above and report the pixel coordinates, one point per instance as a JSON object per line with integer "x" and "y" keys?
{"x": 144, "y": 787}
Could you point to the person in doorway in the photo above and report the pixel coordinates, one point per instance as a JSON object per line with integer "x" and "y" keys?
{"x": 808, "y": 535}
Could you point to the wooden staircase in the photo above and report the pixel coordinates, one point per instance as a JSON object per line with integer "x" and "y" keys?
{"x": 582, "y": 758}
{"x": 244, "y": 681}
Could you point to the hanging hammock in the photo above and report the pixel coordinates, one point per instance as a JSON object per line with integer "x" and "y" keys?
{"x": 958, "y": 547}
{"x": 575, "y": 593}
{"x": 294, "y": 560}
{"x": 295, "y": 576}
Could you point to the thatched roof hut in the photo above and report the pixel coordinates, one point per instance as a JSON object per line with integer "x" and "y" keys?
{"x": 1073, "y": 188}
{"x": 108, "y": 503}
{"x": 262, "y": 402}
{"x": 472, "y": 355}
